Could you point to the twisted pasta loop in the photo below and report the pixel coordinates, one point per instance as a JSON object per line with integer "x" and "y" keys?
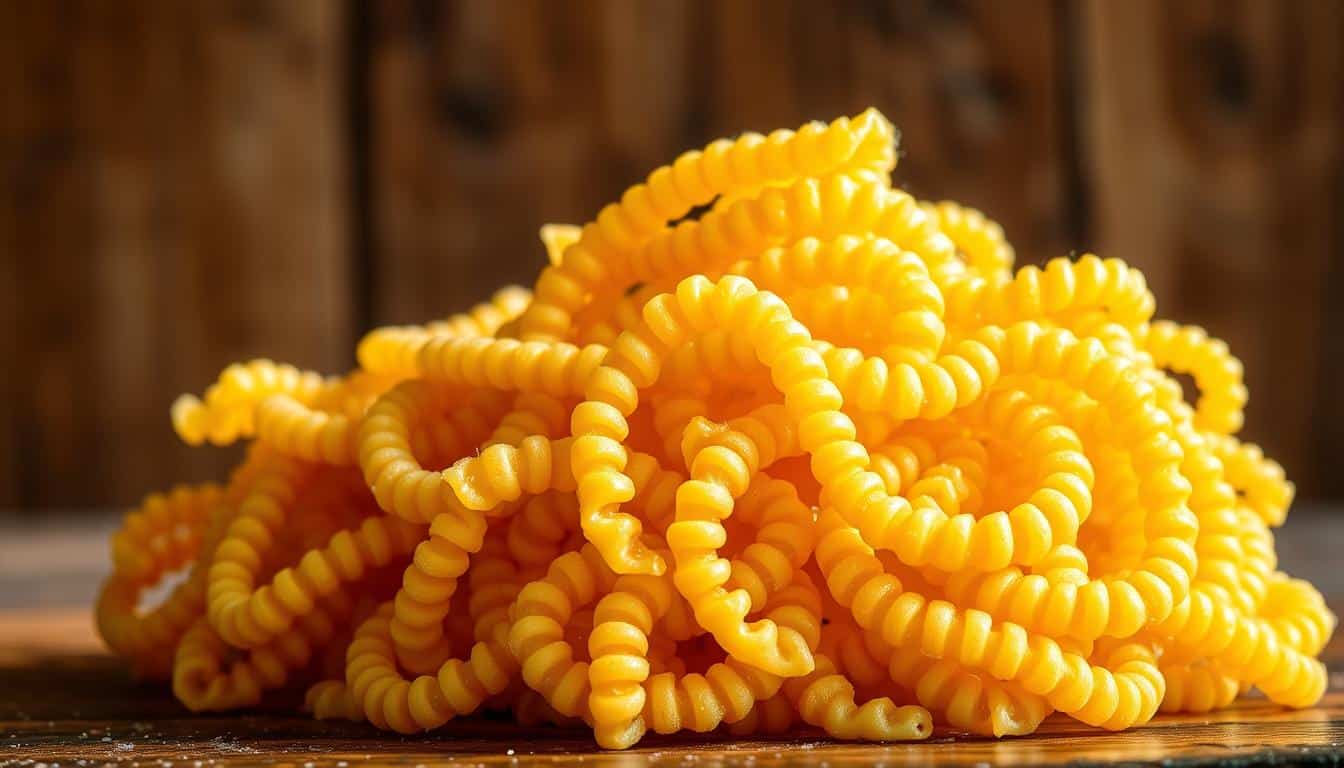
{"x": 1187, "y": 349}
{"x": 979, "y": 240}
{"x": 393, "y": 351}
{"x": 228, "y": 410}
{"x": 723, "y": 168}
{"x": 164, "y": 534}
{"x": 1094, "y": 694}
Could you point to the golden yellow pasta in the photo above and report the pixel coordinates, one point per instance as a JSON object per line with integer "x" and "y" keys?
{"x": 816, "y": 454}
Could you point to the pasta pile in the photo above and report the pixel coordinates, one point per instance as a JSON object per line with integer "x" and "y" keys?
{"x": 769, "y": 443}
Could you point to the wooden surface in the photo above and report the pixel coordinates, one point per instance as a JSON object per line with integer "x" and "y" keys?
{"x": 173, "y": 199}
{"x": 1214, "y": 132}
{"x": 63, "y": 700}
{"x": 120, "y": 722}
{"x": 187, "y": 184}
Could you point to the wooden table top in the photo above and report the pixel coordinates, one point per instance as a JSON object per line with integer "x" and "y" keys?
{"x": 65, "y": 702}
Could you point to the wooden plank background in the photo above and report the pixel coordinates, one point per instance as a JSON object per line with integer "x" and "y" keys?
{"x": 189, "y": 184}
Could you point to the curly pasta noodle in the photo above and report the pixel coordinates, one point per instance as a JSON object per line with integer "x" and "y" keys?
{"x": 769, "y": 443}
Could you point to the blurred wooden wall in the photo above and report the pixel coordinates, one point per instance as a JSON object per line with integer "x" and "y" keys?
{"x": 186, "y": 184}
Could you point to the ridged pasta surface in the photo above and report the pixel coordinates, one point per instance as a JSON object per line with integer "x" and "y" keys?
{"x": 768, "y": 444}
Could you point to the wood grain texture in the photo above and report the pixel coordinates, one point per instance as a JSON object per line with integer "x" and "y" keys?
{"x": 489, "y": 120}
{"x": 979, "y": 91}
{"x": 10, "y": 61}
{"x": 183, "y": 185}
{"x": 1216, "y": 167}
{"x": 61, "y": 701}
{"x": 175, "y": 195}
